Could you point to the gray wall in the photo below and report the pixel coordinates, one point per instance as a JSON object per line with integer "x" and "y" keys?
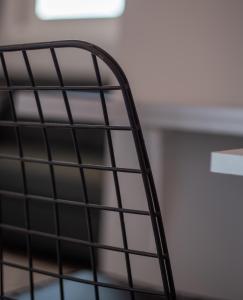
{"x": 203, "y": 213}
{"x": 187, "y": 50}
{"x": 184, "y": 50}
{"x": 191, "y": 51}
{"x": 171, "y": 50}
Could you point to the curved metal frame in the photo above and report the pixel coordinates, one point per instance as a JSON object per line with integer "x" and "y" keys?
{"x": 145, "y": 168}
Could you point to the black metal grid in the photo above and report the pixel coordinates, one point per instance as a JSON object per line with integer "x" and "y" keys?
{"x": 144, "y": 170}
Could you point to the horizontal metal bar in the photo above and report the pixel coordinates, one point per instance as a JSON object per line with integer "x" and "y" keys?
{"x": 78, "y": 241}
{"x": 84, "y": 281}
{"x": 63, "y": 125}
{"x": 74, "y": 203}
{"x": 46, "y": 45}
{"x": 59, "y": 88}
{"x": 69, "y": 164}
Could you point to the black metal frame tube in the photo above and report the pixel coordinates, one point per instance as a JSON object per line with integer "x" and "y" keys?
{"x": 144, "y": 171}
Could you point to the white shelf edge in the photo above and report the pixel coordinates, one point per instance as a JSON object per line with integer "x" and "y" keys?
{"x": 227, "y": 162}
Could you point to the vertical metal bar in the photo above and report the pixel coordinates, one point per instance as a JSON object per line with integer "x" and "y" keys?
{"x": 1, "y": 254}
{"x": 23, "y": 170}
{"x": 158, "y": 216}
{"x": 148, "y": 181}
{"x": 115, "y": 176}
{"x": 54, "y": 189}
{"x": 81, "y": 171}
{"x": 151, "y": 194}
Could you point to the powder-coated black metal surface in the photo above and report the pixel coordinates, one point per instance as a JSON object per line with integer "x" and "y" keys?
{"x": 144, "y": 170}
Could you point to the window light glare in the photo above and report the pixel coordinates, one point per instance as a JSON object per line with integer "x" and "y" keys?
{"x": 78, "y": 9}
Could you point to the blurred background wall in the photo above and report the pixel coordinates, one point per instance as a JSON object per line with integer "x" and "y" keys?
{"x": 175, "y": 51}
{"x": 184, "y": 50}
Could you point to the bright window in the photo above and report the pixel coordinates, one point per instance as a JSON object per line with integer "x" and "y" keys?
{"x": 78, "y": 9}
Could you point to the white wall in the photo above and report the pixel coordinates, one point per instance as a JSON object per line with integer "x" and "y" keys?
{"x": 203, "y": 212}
{"x": 184, "y": 50}
{"x": 191, "y": 51}
{"x": 171, "y": 50}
